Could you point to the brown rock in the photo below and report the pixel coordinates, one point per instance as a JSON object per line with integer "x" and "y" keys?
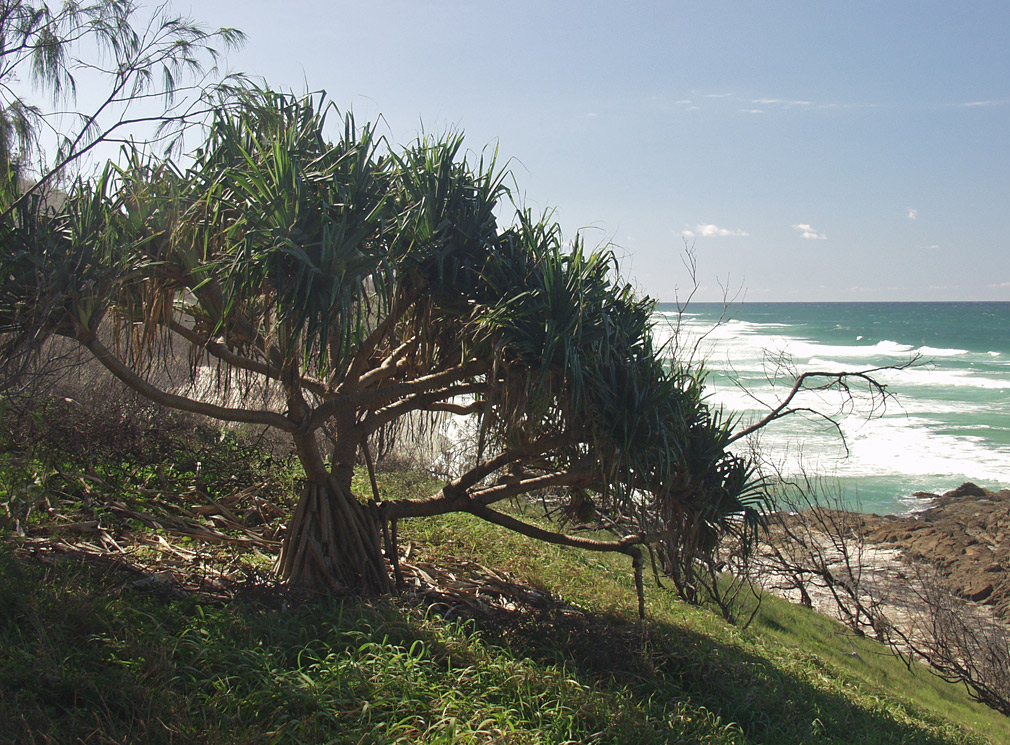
{"x": 965, "y": 535}
{"x": 978, "y": 591}
{"x": 967, "y": 489}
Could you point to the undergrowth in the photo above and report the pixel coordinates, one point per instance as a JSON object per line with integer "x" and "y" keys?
{"x": 105, "y": 637}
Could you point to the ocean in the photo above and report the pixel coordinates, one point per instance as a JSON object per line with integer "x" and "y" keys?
{"x": 946, "y": 419}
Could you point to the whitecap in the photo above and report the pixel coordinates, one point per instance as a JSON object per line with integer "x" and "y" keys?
{"x": 887, "y": 348}
{"x": 935, "y": 352}
{"x": 946, "y": 425}
{"x": 936, "y": 378}
{"x": 911, "y": 446}
{"x": 893, "y": 446}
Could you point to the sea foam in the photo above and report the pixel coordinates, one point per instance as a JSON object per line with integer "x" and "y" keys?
{"x": 949, "y": 419}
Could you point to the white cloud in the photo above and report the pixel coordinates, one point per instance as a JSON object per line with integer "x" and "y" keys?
{"x": 875, "y": 290}
{"x": 782, "y": 101}
{"x": 836, "y": 106}
{"x": 1000, "y": 285}
{"x": 714, "y": 231}
{"x": 913, "y": 213}
{"x": 752, "y": 111}
{"x": 976, "y": 104}
{"x": 591, "y": 115}
{"x": 808, "y": 232}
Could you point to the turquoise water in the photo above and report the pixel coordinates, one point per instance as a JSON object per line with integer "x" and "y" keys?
{"x": 947, "y": 422}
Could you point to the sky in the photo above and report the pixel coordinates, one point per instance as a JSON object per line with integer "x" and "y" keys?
{"x": 802, "y": 150}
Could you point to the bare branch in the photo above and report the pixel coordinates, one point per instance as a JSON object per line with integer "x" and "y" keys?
{"x": 839, "y": 380}
{"x": 513, "y": 487}
{"x": 173, "y": 401}
{"x": 226, "y": 355}
{"x": 379, "y": 396}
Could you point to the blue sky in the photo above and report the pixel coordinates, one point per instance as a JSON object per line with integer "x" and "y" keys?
{"x": 808, "y": 150}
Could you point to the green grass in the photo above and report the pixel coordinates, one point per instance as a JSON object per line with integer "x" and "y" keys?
{"x": 85, "y": 660}
{"x": 790, "y": 677}
{"x": 873, "y": 665}
{"x": 83, "y": 657}
{"x": 87, "y": 657}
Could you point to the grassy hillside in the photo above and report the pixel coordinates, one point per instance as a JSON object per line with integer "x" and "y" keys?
{"x": 506, "y": 640}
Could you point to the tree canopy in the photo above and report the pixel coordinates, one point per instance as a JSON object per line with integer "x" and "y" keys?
{"x": 338, "y": 290}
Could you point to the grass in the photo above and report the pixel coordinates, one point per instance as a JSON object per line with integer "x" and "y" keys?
{"x": 790, "y": 677}
{"x": 89, "y": 655}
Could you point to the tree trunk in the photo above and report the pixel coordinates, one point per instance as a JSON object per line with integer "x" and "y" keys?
{"x": 332, "y": 542}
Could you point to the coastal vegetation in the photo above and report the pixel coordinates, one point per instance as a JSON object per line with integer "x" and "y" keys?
{"x": 915, "y": 583}
{"x": 137, "y": 604}
{"x": 210, "y": 364}
{"x": 343, "y": 293}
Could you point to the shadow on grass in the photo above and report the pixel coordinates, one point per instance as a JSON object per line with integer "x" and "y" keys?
{"x": 86, "y": 658}
{"x": 669, "y": 663}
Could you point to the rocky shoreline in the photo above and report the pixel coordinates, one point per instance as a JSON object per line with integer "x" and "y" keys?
{"x": 964, "y": 533}
{"x": 854, "y": 567}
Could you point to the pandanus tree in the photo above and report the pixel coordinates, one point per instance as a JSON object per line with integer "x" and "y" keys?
{"x": 336, "y": 290}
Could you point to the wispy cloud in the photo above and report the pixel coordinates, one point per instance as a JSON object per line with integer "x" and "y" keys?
{"x": 759, "y": 105}
{"x": 847, "y": 106}
{"x": 874, "y": 290}
{"x": 780, "y": 102}
{"x": 713, "y": 231}
{"x": 913, "y": 213}
{"x": 808, "y": 232}
{"x": 978, "y": 104}
{"x": 1000, "y": 285}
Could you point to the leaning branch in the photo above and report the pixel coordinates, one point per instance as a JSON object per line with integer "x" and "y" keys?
{"x": 181, "y": 403}
{"x": 529, "y": 450}
{"x": 223, "y": 353}
{"x": 629, "y": 545}
{"x": 474, "y": 407}
{"x": 420, "y": 402}
{"x": 454, "y": 496}
{"x": 514, "y": 487}
{"x": 541, "y": 534}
